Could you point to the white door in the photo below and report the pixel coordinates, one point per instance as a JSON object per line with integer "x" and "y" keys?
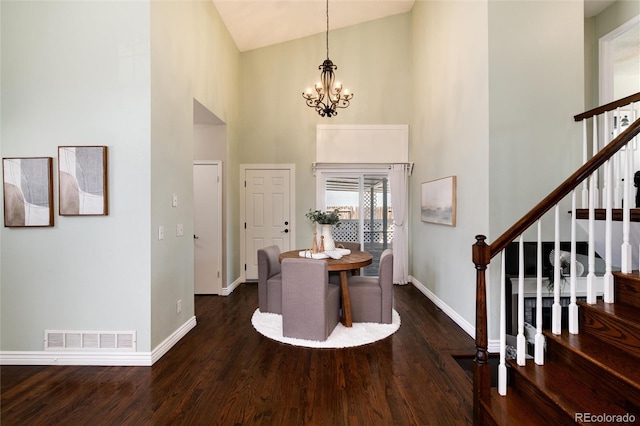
{"x": 267, "y": 214}
{"x": 207, "y": 228}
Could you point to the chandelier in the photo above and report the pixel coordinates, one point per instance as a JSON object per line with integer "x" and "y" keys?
{"x": 329, "y": 94}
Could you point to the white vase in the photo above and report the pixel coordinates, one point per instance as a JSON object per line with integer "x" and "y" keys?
{"x": 325, "y": 231}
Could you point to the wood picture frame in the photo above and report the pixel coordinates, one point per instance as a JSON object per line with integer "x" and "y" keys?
{"x": 438, "y": 201}
{"x": 82, "y": 181}
{"x": 28, "y": 191}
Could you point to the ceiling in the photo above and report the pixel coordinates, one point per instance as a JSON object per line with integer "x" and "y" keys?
{"x": 259, "y": 23}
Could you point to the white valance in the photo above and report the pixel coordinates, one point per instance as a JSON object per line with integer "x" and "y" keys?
{"x": 363, "y": 144}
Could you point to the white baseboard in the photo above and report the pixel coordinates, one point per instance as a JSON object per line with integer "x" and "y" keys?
{"x": 493, "y": 346}
{"x": 229, "y": 289}
{"x": 464, "y": 324}
{"x": 170, "y": 341}
{"x": 102, "y": 358}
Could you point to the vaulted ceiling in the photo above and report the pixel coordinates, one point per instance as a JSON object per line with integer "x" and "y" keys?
{"x": 259, "y": 23}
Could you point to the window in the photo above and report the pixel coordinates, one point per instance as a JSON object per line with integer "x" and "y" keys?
{"x": 366, "y": 214}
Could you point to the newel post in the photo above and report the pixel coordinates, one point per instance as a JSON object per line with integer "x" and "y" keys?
{"x": 481, "y": 367}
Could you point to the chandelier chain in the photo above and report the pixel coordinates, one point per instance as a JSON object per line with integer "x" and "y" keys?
{"x": 327, "y": 36}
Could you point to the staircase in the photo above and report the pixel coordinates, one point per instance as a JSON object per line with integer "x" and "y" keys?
{"x": 592, "y": 374}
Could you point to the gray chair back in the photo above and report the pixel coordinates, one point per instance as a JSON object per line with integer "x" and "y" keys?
{"x": 310, "y": 306}
{"x": 268, "y": 267}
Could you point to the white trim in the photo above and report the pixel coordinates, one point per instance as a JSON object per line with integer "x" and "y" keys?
{"x": 97, "y": 358}
{"x": 605, "y": 62}
{"x": 228, "y": 290}
{"x": 493, "y": 346}
{"x": 462, "y": 323}
{"x": 243, "y": 214}
{"x": 174, "y": 338}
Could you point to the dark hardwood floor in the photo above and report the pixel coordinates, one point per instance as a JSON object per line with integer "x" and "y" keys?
{"x": 225, "y": 373}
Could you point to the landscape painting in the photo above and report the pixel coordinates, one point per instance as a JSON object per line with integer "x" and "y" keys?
{"x": 439, "y": 201}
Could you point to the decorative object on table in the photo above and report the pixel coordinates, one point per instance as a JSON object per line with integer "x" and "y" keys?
{"x": 314, "y": 248}
{"x": 333, "y": 254}
{"x": 329, "y": 94}
{"x": 82, "y": 181}
{"x": 324, "y": 224}
{"x": 28, "y": 191}
{"x": 565, "y": 270}
{"x": 361, "y": 333}
{"x": 438, "y": 203}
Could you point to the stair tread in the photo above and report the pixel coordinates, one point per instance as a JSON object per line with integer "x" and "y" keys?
{"x": 512, "y": 409}
{"x": 618, "y": 363}
{"x": 564, "y": 388}
{"x": 625, "y": 313}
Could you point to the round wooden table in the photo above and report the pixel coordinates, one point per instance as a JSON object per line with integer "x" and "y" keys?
{"x": 354, "y": 260}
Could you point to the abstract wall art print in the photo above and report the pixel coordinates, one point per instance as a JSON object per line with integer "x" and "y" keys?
{"x": 82, "y": 180}
{"x": 438, "y": 204}
{"x": 28, "y": 191}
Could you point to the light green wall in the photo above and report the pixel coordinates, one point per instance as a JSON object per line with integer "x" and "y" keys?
{"x": 450, "y": 136}
{"x": 192, "y": 56}
{"x": 121, "y": 74}
{"x": 536, "y": 86}
{"x": 373, "y": 61}
{"x": 77, "y": 73}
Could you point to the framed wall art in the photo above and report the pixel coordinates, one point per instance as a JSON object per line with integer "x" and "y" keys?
{"x": 82, "y": 180}
{"x": 438, "y": 201}
{"x": 28, "y": 191}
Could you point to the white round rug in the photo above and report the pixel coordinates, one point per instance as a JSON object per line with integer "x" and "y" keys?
{"x": 270, "y": 325}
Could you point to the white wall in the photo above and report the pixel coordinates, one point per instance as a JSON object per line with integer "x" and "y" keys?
{"x": 450, "y": 136}
{"x": 77, "y": 73}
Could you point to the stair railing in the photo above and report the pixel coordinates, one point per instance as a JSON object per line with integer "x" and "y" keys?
{"x": 611, "y": 155}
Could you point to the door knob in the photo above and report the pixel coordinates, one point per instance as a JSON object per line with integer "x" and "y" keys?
{"x": 195, "y": 237}
{"x": 286, "y": 231}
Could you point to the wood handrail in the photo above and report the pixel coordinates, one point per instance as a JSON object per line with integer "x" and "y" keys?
{"x": 564, "y": 189}
{"x": 608, "y": 107}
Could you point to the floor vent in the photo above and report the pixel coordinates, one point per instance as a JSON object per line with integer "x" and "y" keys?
{"x": 108, "y": 341}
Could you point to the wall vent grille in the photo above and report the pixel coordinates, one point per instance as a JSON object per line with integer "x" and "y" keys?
{"x": 73, "y": 340}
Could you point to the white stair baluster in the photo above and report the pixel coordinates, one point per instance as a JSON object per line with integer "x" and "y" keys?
{"x": 585, "y": 187}
{"x": 626, "y": 264}
{"x": 521, "y": 340}
{"x": 617, "y": 164}
{"x": 502, "y": 367}
{"x": 556, "y": 312}
{"x": 594, "y": 183}
{"x": 591, "y": 275}
{"x": 573, "y": 307}
{"x": 539, "y": 343}
{"x": 608, "y": 178}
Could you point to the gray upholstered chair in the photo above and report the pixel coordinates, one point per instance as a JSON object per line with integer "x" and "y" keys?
{"x": 269, "y": 280}
{"x": 310, "y": 305}
{"x": 372, "y": 297}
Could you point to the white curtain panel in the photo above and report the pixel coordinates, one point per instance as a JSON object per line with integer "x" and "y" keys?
{"x": 399, "y": 178}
